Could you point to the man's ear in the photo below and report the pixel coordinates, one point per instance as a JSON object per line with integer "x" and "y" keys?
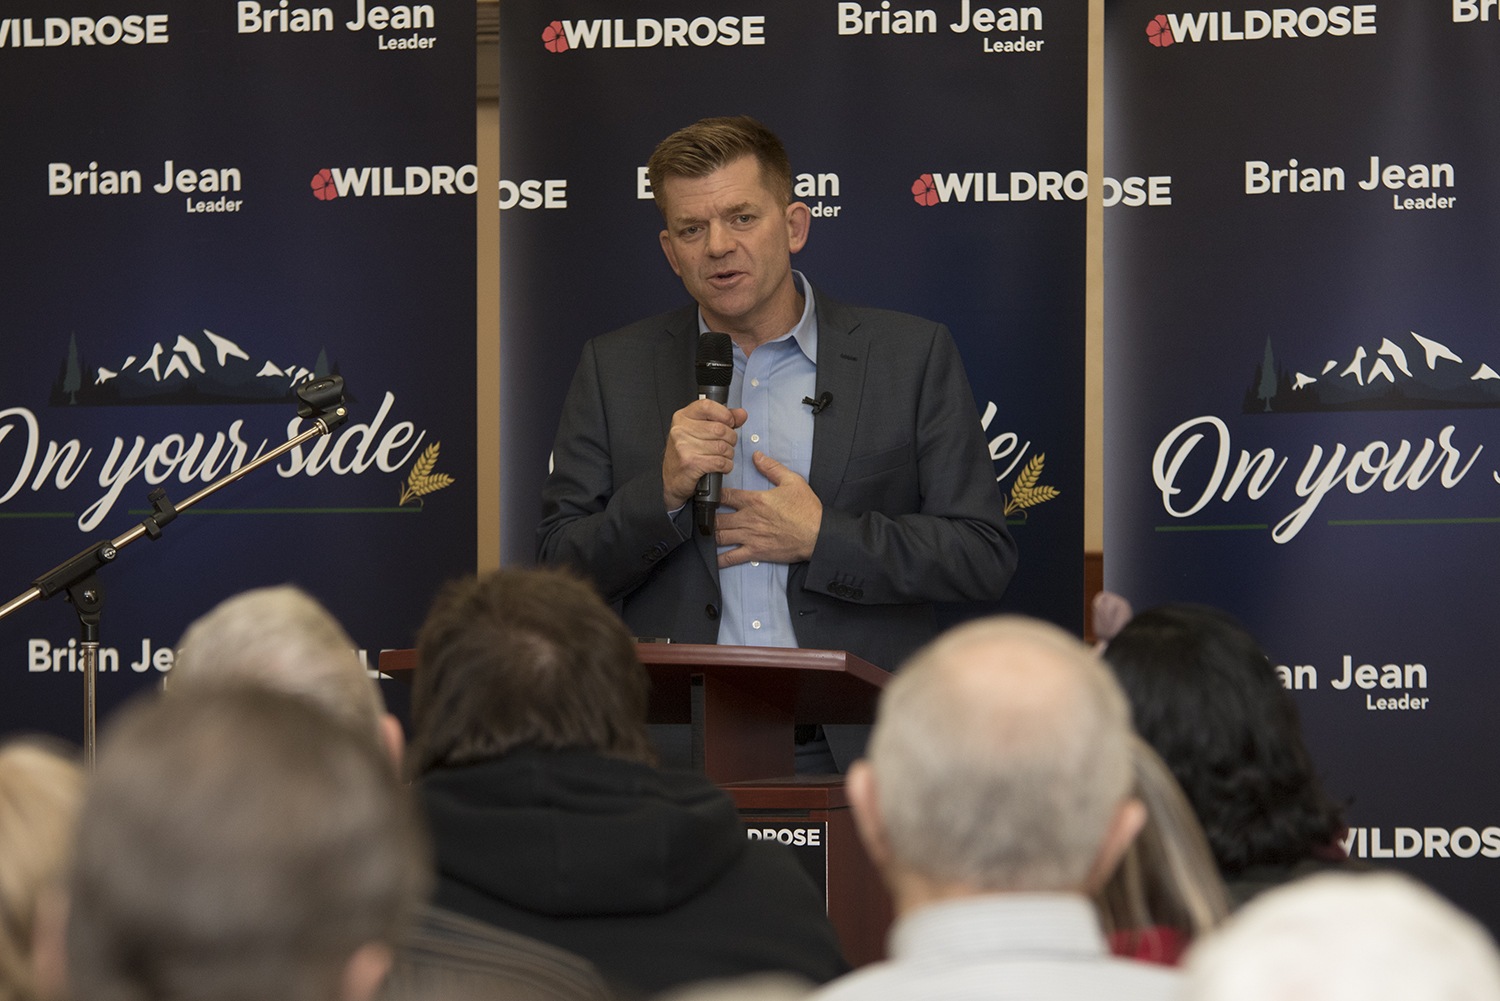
{"x": 670, "y": 251}
{"x": 1129, "y": 818}
{"x": 365, "y": 972}
{"x": 864, "y": 802}
{"x": 49, "y": 943}
{"x": 798, "y": 221}
{"x": 393, "y": 739}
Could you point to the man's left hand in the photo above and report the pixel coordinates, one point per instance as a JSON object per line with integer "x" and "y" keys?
{"x": 779, "y": 525}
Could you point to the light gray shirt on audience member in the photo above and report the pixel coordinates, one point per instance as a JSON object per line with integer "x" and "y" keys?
{"x": 1003, "y": 946}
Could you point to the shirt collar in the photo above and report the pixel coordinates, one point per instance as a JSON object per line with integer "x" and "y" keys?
{"x": 805, "y": 333}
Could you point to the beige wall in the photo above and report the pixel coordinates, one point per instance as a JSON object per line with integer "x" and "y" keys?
{"x": 1093, "y": 438}
{"x": 488, "y": 355}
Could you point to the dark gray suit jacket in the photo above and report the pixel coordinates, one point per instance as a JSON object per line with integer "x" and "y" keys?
{"x": 911, "y": 511}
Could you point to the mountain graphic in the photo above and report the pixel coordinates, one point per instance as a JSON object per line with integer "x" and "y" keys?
{"x": 200, "y": 367}
{"x": 1408, "y": 372}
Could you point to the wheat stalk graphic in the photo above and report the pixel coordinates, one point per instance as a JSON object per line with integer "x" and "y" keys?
{"x": 422, "y": 480}
{"x": 1025, "y": 492}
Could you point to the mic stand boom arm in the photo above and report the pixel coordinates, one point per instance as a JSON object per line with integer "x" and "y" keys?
{"x": 322, "y": 399}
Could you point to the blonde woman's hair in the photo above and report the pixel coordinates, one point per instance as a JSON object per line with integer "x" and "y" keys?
{"x": 1167, "y": 877}
{"x": 41, "y": 792}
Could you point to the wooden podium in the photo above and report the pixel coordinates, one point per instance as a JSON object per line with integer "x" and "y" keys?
{"x": 748, "y": 699}
{"x": 746, "y": 702}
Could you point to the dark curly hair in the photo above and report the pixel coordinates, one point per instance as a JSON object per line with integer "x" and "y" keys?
{"x": 1207, "y": 698}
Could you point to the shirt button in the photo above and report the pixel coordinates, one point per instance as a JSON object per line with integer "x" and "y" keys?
{"x": 755, "y": 382}
{"x": 755, "y": 437}
{"x": 755, "y": 624}
{"x": 755, "y": 563}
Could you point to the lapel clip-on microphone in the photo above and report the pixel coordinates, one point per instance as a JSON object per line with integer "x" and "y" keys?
{"x": 820, "y": 404}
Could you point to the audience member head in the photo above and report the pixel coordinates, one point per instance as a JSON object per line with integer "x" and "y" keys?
{"x": 283, "y": 638}
{"x": 238, "y": 843}
{"x": 999, "y": 761}
{"x": 1209, "y": 701}
{"x": 525, "y": 658}
{"x": 1346, "y": 937}
{"x": 703, "y": 147}
{"x": 41, "y": 791}
{"x": 448, "y": 956}
{"x": 755, "y": 987}
{"x": 1167, "y": 880}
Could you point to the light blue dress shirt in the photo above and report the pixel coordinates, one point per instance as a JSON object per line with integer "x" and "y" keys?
{"x": 770, "y": 387}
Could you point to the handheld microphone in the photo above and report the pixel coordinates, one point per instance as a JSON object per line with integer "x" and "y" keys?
{"x": 715, "y": 369}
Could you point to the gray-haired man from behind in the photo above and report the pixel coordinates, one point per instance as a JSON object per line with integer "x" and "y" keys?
{"x": 239, "y": 844}
{"x": 995, "y": 799}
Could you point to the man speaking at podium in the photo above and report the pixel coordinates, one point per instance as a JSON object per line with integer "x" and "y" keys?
{"x": 857, "y": 489}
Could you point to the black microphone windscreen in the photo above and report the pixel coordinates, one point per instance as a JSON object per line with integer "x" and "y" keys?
{"x": 715, "y": 365}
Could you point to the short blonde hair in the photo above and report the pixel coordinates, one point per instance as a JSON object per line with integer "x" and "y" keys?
{"x": 41, "y": 793}
{"x": 282, "y": 638}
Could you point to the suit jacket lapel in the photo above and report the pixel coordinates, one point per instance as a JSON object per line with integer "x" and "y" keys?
{"x": 676, "y": 354}
{"x": 842, "y": 357}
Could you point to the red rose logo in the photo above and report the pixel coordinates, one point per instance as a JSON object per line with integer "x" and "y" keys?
{"x": 924, "y": 191}
{"x": 322, "y": 186}
{"x": 553, "y": 37}
{"x": 1159, "y": 32}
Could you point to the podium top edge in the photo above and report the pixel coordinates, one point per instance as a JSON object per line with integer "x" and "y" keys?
{"x": 713, "y": 655}
{"x": 791, "y": 658}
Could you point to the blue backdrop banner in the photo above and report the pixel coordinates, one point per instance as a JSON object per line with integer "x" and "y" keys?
{"x": 207, "y": 205}
{"x": 941, "y": 150}
{"x": 1303, "y": 384}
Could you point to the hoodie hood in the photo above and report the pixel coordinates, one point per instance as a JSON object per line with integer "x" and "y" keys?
{"x": 567, "y": 833}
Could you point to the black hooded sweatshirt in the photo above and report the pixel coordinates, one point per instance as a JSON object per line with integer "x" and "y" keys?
{"x": 646, "y": 873}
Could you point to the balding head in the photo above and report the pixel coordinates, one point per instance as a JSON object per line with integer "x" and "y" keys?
{"x": 1001, "y": 759}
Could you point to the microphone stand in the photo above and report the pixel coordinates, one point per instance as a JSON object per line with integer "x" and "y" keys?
{"x": 322, "y": 400}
